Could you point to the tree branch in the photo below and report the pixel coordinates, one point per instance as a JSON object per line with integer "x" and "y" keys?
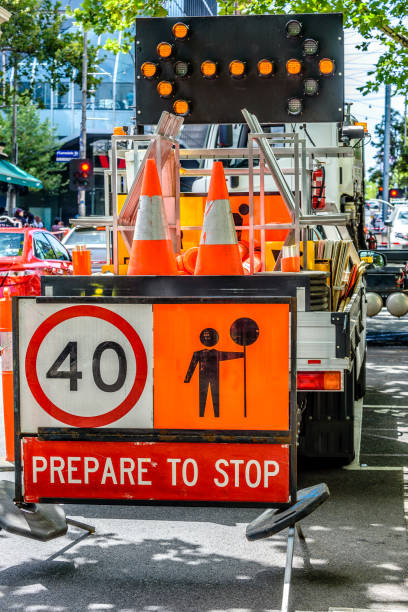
{"x": 399, "y": 38}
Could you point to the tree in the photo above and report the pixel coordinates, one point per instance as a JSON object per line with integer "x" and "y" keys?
{"x": 37, "y": 143}
{"x": 384, "y": 22}
{"x": 398, "y": 152}
{"x": 36, "y": 33}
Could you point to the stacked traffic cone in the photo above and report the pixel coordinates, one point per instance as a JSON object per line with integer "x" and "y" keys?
{"x": 152, "y": 250}
{"x": 7, "y": 372}
{"x": 218, "y": 252}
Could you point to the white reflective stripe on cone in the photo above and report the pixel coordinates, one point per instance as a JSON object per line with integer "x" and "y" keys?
{"x": 151, "y": 222}
{"x": 6, "y": 342}
{"x": 218, "y": 225}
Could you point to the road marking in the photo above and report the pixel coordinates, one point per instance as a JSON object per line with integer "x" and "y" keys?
{"x": 385, "y": 406}
{"x": 373, "y": 468}
{"x": 405, "y": 494}
{"x": 385, "y": 454}
{"x": 395, "y": 439}
{"x": 358, "y": 424}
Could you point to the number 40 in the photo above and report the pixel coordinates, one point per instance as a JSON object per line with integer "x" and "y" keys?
{"x": 71, "y": 351}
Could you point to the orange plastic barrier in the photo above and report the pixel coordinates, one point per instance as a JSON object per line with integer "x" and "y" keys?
{"x": 190, "y": 259}
{"x": 7, "y": 372}
{"x": 81, "y": 261}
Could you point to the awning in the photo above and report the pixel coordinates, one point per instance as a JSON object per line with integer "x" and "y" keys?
{"x": 9, "y": 173}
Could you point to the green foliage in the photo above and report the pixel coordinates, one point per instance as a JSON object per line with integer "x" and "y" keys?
{"x": 398, "y": 152}
{"x": 36, "y": 31}
{"x": 36, "y": 144}
{"x": 371, "y": 190}
{"x": 383, "y": 22}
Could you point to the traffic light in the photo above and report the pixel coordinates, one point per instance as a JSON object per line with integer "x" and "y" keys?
{"x": 394, "y": 192}
{"x": 283, "y": 68}
{"x": 81, "y": 176}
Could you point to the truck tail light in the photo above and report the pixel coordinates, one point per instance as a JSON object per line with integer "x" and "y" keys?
{"x": 319, "y": 381}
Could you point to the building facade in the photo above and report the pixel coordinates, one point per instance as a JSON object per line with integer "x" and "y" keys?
{"x": 108, "y": 106}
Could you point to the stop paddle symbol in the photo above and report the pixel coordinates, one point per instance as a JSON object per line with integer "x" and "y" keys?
{"x": 244, "y": 332}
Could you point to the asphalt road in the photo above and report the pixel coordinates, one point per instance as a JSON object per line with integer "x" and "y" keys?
{"x": 160, "y": 559}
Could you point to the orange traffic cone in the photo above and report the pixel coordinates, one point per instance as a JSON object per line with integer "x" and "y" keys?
{"x": 152, "y": 250}
{"x": 7, "y": 372}
{"x": 218, "y": 252}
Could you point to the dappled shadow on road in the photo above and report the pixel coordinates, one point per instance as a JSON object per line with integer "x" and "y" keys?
{"x": 356, "y": 545}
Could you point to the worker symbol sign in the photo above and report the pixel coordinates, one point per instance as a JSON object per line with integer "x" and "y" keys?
{"x": 221, "y": 366}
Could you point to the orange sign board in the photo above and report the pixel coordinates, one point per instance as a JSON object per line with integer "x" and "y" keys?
{"x": 221, "y": 366}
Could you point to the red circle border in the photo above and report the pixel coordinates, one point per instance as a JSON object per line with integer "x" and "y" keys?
{"x": 110, "y": 317}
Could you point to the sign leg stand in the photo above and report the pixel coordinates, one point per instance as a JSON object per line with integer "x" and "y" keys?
{"x": 84, "y": 526}
{"x": 288, "y": 569}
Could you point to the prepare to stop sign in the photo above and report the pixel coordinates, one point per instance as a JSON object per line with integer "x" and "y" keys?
{"x": 159, "y": 366}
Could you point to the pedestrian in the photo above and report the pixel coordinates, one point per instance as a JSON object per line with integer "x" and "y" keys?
{"x": 19, "y": 216}
{"x": 38, "y": 221}
{"x": 56, "y": 225}
{"x": 58, "y": 228}
{"x": 29, "y": 217}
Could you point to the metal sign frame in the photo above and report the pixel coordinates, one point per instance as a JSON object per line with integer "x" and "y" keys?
{"x": 288, "y": 437}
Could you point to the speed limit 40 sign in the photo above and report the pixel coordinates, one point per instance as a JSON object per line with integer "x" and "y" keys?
{"x": 85, "y": 365}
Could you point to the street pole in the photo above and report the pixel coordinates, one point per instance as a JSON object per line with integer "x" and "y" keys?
{"x": 11, "y": 190}
{"x": 82, "y": 137}
{"x": 386, "y": 165}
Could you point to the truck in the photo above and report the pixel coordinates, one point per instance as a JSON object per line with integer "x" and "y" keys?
{"x": 289, "y": 182}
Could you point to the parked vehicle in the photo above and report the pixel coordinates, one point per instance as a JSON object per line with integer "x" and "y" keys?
{"x": 399, "y": 227}
{"x": 94, "y": 239}
{"x": 26, "y": 254}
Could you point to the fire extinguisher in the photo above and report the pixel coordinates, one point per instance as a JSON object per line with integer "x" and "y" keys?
{"x": 372, "y": 241}
{"x": 319, "y": 188}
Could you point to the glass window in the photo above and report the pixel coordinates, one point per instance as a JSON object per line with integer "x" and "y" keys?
{"x": 124, "y": 96}
{"x": 59, "y": 250}
{"x": 403, "y": 217}
{"x": 88, "y": 237}
{"x": 42, "y": 248}
{"x": 11, "y": 244}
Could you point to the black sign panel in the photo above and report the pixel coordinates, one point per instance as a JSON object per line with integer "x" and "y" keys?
{"x": 314, "y": 92}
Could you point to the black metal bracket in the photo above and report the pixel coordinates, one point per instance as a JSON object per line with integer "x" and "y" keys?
{"x": 341, "y": 320}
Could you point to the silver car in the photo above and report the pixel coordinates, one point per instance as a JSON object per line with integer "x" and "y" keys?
{"x": 94, "y": 239}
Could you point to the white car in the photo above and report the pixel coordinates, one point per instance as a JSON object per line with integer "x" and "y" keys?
{"x": 94, "y": 239}
{"x": 399, "y": 227}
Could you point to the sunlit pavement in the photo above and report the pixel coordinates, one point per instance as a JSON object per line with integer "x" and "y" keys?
{"x": 162, "y": 559}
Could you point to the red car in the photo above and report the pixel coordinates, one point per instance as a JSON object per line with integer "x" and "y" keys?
{"x": 25, "y": 255}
